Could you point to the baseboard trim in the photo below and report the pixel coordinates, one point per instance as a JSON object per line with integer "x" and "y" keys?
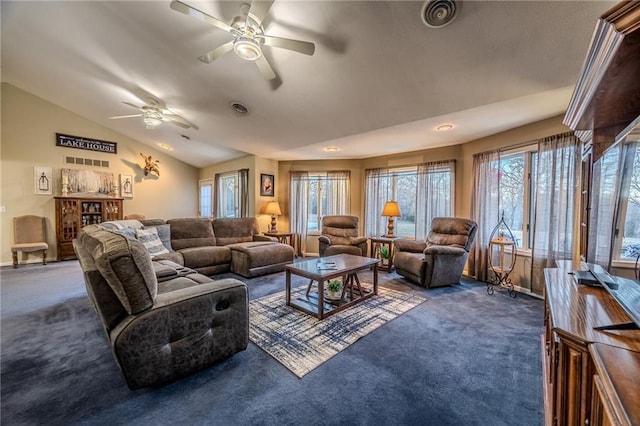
{"x": 28, "y": 262}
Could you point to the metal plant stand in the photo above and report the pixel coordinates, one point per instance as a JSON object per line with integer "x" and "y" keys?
{"x": 502, "y": 243}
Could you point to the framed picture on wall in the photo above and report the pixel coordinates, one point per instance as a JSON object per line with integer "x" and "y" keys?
{"x": 126, "y": 186}
{"x": 42, "y": 183}
{"x": 267, "y": 182}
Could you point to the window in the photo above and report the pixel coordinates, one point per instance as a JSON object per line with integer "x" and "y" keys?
{"x": 206, "y": 198}
{"x": 517, "y": 171}
{"x": 422, "y": 192}
{"x": 228, "y": 195}
{"x": 323, "y": 193}
{"x": 328, "y": 195}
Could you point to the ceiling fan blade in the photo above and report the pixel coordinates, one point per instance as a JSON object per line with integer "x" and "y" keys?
{"x": 287, "y": 43}
{"x": 208, "y": 57}
{"x": 125, "y": 116}
{"x": 259, "y": 9}
{"x": 181, "y": 7}
{"x": 265, "y": 68}
{"x": 132, "y": 105}
{"x": 177, "y": 120}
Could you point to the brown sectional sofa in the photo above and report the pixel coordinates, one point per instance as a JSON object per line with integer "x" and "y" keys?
{"x": 222, "y": 245}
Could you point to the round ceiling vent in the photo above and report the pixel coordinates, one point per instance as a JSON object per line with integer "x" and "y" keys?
{"x": 439, "y": 13}
{"x": 239, "y": 108}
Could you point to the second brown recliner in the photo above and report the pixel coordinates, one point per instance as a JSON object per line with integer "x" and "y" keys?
{"x": 440, "y": 259}
{"x": 340, "y": 235}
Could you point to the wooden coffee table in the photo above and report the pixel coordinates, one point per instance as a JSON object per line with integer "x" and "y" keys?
{"x": 347, "y": 267}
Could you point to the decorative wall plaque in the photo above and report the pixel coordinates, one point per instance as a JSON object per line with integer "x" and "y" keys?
{"x": 78, "y": 142}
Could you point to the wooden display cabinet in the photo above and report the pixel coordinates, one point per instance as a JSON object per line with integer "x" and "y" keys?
{"x": 74, "y": 213}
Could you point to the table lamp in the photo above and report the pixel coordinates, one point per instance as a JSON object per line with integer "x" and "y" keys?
{"x": 391, "y": 209}
{"x": 273, "y": 208}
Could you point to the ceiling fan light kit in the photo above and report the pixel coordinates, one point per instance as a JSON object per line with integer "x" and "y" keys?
{"x": 152, "y": 119}
{"x": 247, "y": 48}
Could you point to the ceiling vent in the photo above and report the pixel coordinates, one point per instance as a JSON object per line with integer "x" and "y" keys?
{"x": 439, "y": 13}
{"x": 239, "y": 108}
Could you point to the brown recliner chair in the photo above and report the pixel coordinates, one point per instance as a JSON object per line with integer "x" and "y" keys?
{"x": 340, "y": 235}
{"x": 439, "y": 261}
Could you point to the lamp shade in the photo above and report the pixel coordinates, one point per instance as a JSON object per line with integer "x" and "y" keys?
{"x": 273, "y": 208}
{"x": 391, "y": 209}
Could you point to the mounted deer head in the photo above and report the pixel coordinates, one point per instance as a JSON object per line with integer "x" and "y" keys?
{"x": 150, "y": 166}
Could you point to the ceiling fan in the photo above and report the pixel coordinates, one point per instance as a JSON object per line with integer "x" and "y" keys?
{"x": 154, "y": 112}
{"x": 248, "y": 35}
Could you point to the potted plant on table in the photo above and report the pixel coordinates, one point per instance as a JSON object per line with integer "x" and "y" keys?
{"x": 334, "y": 290}
{"x": 384, "y": 255}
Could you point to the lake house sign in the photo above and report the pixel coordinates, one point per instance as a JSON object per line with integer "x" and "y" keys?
{"x": 69, "y": 141}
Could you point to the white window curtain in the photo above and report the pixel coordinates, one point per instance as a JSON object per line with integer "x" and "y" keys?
{"x": 485, "y": 209}
{"x": 603, "y": 203}
{"x": 299, "y": 200}
{"x": 338, "y": 195}
{"x": 377, "y": 192}
{"x": 434, "y": 194}
{"x": 557, "y": 187}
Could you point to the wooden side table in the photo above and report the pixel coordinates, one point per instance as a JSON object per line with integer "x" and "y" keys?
{"x": 283, "y": 237}
{"x": 376, "y": 244}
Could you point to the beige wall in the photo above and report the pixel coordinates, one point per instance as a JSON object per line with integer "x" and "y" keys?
{"x": 29, "y": 125}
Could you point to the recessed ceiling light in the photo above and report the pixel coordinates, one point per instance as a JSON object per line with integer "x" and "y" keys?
{"x": 444, "y": 127}
{"x": 331, "y": 149}
{"x": 239, "y": 108}
{"x": 165, "y": 146}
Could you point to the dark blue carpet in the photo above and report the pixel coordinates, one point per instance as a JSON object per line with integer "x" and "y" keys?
{"x": 461, "y": 358}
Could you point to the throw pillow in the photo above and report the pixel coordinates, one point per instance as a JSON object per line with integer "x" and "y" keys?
{"x": 151, "y": 241}
{"x": 164, "y": 232}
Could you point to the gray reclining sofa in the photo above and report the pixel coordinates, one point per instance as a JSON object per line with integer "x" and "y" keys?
{"x": 163, "y": 320}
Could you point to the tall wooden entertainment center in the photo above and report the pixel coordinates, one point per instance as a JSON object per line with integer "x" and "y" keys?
{"x": 591, "y": 376}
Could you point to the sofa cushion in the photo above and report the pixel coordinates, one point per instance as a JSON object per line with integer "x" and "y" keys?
{"x": 125, "y": 264}
{"x": 200, "y": 257}
{"x": 151, "y": 241}
{"x": 235, "y": 230}
{"x": 191, "y": 232}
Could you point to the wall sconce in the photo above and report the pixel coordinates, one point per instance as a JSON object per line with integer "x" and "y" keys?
{"x": 273, "y": 208}
{"x": 391, "y": 209}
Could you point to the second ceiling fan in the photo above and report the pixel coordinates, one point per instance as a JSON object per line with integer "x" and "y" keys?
{"x": 248, "y": 35}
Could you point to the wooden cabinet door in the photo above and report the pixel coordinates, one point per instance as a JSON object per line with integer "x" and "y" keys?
{"x": 573, "y": 384}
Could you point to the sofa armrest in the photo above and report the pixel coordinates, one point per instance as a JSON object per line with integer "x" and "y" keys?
{"x": 358, "y": 240}
{"x": 324, "y": 239}
{"x": 264, "y": 238}
{"x": 411, "y": 246}
{"x": 185, "y": 330}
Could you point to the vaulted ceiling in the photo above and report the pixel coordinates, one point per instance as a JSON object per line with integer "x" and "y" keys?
{"x": 380, "y": 80}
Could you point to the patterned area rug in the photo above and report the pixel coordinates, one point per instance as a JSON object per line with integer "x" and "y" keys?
{"x": 301, "y": 342}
